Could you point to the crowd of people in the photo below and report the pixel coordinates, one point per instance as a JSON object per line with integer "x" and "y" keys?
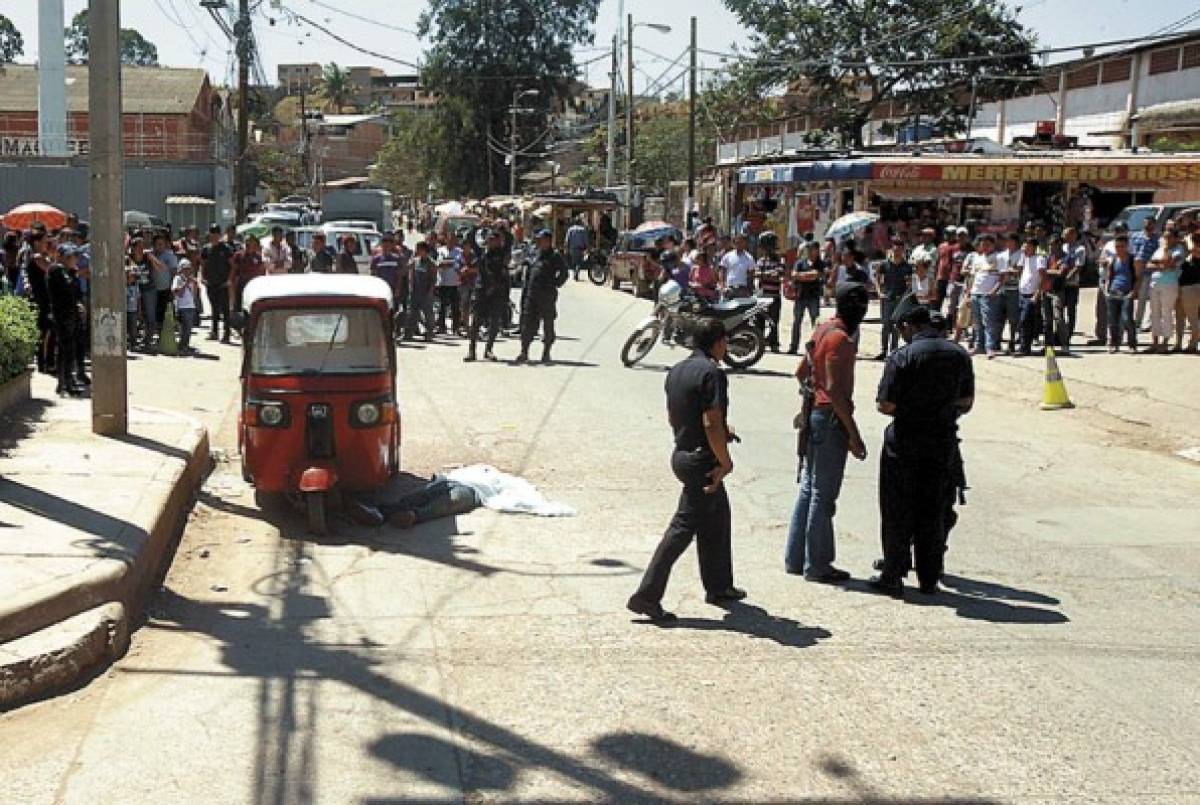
{"x": 1001, "y": 294}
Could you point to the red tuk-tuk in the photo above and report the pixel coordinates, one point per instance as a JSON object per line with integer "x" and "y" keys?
{"x": 319, "y": 410}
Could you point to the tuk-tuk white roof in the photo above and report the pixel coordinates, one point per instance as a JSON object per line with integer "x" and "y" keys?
{"x": 282, "y": 286}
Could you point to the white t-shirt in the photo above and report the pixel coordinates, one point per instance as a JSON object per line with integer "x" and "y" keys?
{"x": 1032, "y": 268}
{"x": 276, "y": 260}
{"x": 449, "y": 264}
{"x": 185, "y": 298}
{"x": 985, "y": 268}
{"x": 922, "y": 286}
{"x": 737, "y": 266}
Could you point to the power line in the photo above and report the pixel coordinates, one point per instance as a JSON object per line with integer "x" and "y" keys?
{"x": 1179, "y": 23}
{"x": 361, "y": 18}
{"x": 347, "y": 42}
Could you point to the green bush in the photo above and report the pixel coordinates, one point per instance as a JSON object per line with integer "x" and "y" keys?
{"x": 18, "y": 336}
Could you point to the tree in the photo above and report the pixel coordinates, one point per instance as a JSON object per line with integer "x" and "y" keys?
{"x": 926, "y": 53}
{"x": 335, "y": 86}
{"x": 661, "y": 145}
{"x": 485, "y": 51}
{"x": 280, "y": 169}
{"x": 136, "y": 50}
{"x": 12, "y": 44}
{"x": 424, "y": 149}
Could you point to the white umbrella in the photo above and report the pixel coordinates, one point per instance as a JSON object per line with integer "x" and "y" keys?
{"x": 850, "y": 223}
{"x": 449, "y": 208}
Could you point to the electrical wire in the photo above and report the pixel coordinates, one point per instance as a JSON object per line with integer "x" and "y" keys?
{"x": 300, "y": 17}
{"x": 361, "y": 18}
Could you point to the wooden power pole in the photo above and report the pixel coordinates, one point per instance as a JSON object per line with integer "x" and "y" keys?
{"x": 242, "y": 31}
{"x": 110, "y": 403}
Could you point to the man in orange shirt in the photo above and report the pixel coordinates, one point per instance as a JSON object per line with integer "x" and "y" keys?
{"x": 829, "y": 367}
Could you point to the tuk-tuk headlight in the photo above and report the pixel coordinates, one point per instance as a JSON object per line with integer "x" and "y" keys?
{"x": 372, "y": 413}
{"x": 272, "y": 415}
{"x": 368, "y": 413}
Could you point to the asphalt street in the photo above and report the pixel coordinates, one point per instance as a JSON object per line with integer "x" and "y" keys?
{"x": 489, "y": 658}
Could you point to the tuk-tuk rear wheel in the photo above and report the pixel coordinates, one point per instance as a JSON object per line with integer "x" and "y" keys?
{"x": 314, "y": 505}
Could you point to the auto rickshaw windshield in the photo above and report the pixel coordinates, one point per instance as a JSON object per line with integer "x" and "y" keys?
{"x": 319, "y": 341}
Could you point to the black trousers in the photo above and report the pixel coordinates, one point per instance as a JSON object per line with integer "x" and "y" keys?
{"x": 774, "y": 312}
{"x": 448, "y": 295}
{"x": 70, "y": 361}
{"x": 489, "y": 312}
{"x": 218, "y": 301}
{"x": 700, "y": 515}
{"x": 540, "y": 310}
{"x": 915, "y": 493}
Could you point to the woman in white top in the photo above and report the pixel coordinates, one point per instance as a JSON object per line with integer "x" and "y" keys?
{"x": 184, "y": 289}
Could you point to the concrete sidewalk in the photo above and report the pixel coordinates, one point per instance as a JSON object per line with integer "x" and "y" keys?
{"x": 87, "y": 525}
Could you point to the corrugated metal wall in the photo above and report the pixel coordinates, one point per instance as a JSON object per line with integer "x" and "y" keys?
{"x": 146, "y": 188}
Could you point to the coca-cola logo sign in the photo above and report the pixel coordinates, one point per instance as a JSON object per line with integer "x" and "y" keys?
{"x": 898, "y": 172}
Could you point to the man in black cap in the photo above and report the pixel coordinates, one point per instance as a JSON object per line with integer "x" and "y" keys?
{"x": 215, "y": 260}
{"x": 697, "y": 406}
{"x": 546, "y": 274}
{"x": 926, "y": 386}
{"x": 490, "y": 302}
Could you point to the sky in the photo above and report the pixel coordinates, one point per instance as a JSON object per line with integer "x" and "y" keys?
{"x": 187, "y": 37}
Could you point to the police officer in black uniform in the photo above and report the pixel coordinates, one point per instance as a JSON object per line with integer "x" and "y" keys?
{"x": 697, "y": 404}
{"x": 490, "y": 303}
{"x": 926, "y": 386}
{"x": 66, "y": 312}
{"x": 545, "y": 275}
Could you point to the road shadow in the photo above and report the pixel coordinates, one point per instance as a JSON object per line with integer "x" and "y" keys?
{"x": 978, "y": 600}
{"x": 21, "y": 423}
{"x": 150, "y": 444}
{"x": 843, "y": 771}
{"x": 667, "y": 763}
{"x": 753, "y": 621}
{"x": 110, "y": 537}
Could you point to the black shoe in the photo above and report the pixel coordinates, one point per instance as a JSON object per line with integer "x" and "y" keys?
{"x": 546, "y": 358}
{"x": 831, "y": 576}
{"x": 929, "y": 589}
{"x": 892, "y": 587}
{"x": 490, "y": 356}
{"x": 470, "y": 358}
{"x": 1097, "y": 342}
{"x": 522, "y": 358}
{"x": 732, "y": 594}
{"x": 83, "y": 379}
{"x": 793, "y": 352}
{"x": 877, "y": 565}
{"x": 654, "y": 612}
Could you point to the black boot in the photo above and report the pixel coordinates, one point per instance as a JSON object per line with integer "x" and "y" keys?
{"x": 546, "y": 355}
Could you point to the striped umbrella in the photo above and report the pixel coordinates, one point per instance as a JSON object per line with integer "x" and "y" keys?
{"x": 849, "y": 224}
{"x": 25, "y": 215}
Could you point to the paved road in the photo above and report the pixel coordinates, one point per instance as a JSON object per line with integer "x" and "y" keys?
{"x": 489, "y": 659}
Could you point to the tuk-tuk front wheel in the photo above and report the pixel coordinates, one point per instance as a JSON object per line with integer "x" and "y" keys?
{"x": 314, "y": 506}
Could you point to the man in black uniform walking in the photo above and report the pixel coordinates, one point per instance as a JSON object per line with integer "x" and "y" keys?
{"x": 546, "y": 274}
{"x": 926, "y": 386}
{"x": 66, "y": 311}
{"x": 490, "y": 305}
{"x": 697, "y": 405}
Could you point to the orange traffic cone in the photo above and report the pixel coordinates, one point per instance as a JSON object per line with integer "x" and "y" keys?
{"x": 1055, "y": 395}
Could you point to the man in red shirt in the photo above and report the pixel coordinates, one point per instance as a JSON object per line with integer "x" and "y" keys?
{"x": 945, "y": 263}
{"x": 829, "y": 367}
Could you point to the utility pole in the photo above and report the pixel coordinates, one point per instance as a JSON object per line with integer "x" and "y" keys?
{"x": 512, "y": 147}
{"x": 630, "y": 100}
{"x": 691, "y": 193}
{"x": 242, "y": 31}
{"x": 610, "y": 168}
{"x": 304, "y": 137}
{"x": 110, "y": 403}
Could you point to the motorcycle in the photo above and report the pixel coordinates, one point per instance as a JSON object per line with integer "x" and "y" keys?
{"x": 595, "y": 261}
{"x": 675, "y": 316}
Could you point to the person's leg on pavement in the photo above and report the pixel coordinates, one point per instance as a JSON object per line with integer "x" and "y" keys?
{"x": 495, "y": 320}
{"x": 795, "y": 551}
{"x": 895, "y": 531}
{"x": 1071, "y": 310}
{"x": 887, "y": 333}
{"x": 690, "y": 469}
{"x": 928, "y": 479}
{"x": 775, "y": 311}
{"x": 1129, "y": 322}
{"x": 149, "y": 309}
{"x": 1028, "y": 322}
{"x": 1143, "y": 300}
{"x": 978, "y": 331}
{"x": 1113, "y": 304}
{"x": 548, "y": 314}
{"x": 1180, "y": 319}
{"x": 1190, "y": 294}
{"x": 1012, "y": 315}
{"x": 186, "y": 320}
{"x": 1047, "y": 309}
{"x": 66, "y": 345}
{"x": 1060, "y": 323}
{"x": 714, "y": 546}
{"x": 830, "y": 446}
{"x": 1101, "y": 332}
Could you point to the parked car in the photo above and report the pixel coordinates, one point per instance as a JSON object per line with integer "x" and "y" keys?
{"x": 367, "y": 240}
{"x": 1135, "y": 215}
{"x": 634, "y": 259}
{"x": 454, "y": 224}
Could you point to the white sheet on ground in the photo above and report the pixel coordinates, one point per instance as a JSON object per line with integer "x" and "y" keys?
{"x": 508, "y": 493}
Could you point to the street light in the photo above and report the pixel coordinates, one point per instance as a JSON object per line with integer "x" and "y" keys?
{"x": 629, "y": 179}
{"x": 512, "y": 141}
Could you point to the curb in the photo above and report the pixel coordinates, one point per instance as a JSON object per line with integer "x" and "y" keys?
{"x": 109, "y": 590}
{"x": 59, "y": 658}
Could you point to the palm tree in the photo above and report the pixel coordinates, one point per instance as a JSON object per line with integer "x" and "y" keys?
{"x": 335, "y": 85}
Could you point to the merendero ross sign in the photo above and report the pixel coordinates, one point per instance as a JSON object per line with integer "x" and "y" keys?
{"x": 1096, "y": 172}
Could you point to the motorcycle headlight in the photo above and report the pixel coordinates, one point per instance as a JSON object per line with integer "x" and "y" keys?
{"x": 368, "y": 414}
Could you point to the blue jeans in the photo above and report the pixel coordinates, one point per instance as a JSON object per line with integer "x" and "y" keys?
{"x": 1012, "y": 315}
{"x": 1029, "y": 322}
{"x": 890, "y": 336}
{"x": 1121, "y": 320}
{"x": 810, "y": 544}
{"x": 978, "y": 328}
{"x": 150, "y": 312}
{"x": 441, "y": 497}
{"x": 990, "y": 325}
{"x": 804, "y": 304}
